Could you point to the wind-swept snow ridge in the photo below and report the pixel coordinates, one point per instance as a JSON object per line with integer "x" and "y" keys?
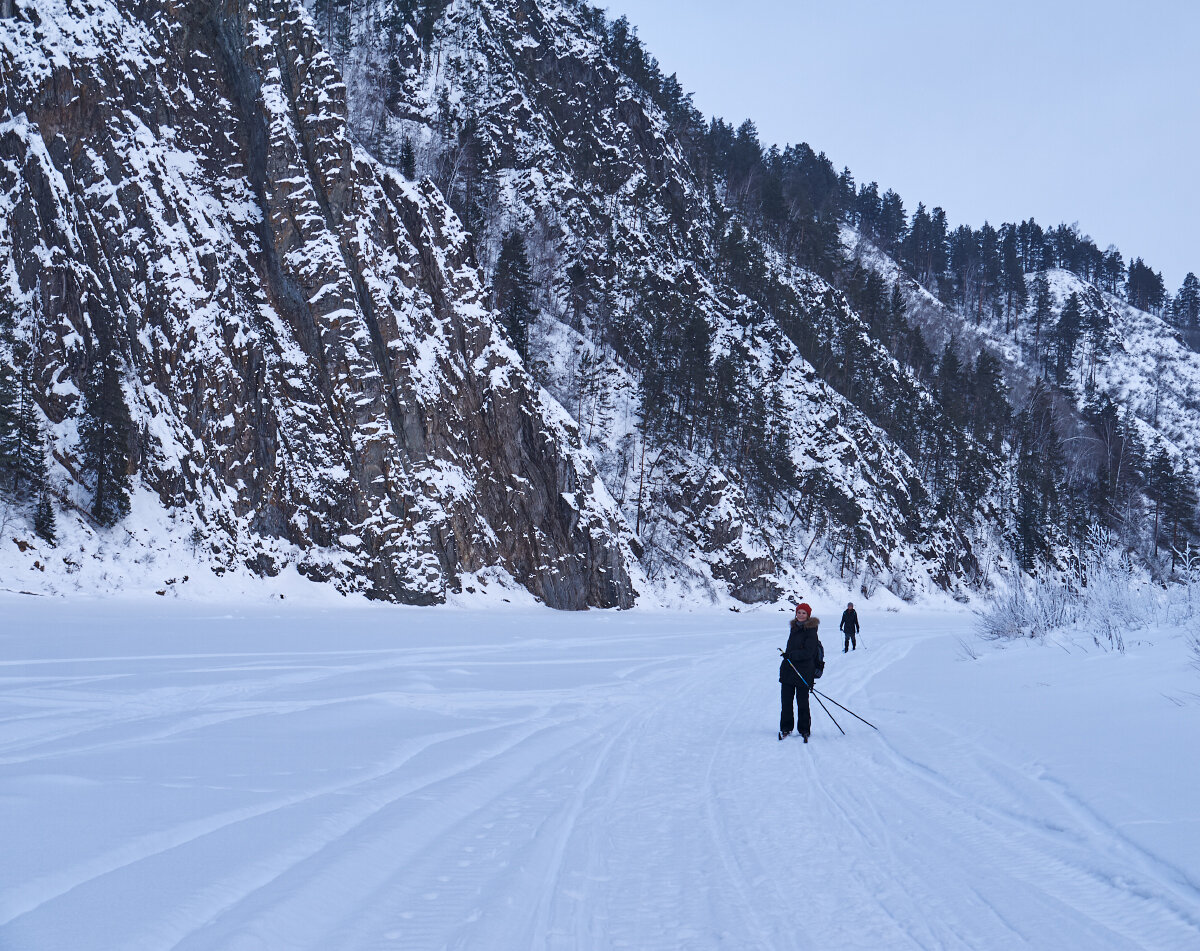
{"x": 306, "y": 348}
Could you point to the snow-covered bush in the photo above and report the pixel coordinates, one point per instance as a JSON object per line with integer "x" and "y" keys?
{"x": 901, "y": 586}
{"x": 1029, "y": 608}
{"x": 1111, "y": 599}
{"x": 1184, "y": 606}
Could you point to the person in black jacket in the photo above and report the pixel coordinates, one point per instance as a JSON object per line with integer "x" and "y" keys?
{"x": 849, "y": 627}
{"x": 803, "y": 662}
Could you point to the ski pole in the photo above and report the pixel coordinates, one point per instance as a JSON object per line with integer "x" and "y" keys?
{"x": 847, "y": 709}
{"x": 810, "y": 687}
{"x": 823, "y": 707}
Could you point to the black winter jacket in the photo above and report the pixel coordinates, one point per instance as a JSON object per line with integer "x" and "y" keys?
{"x": 849, "y": 621}
{"x": 805, "y": 652}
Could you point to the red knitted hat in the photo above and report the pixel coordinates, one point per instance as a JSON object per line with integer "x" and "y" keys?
{"x": 804, "y": 606}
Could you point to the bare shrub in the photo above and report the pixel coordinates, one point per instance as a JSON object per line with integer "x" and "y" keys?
{"x": 1111, "y": 600}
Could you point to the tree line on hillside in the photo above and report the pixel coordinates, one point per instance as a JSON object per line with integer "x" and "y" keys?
{"x": 974, "y": 441}
{"x": 794, "y": 200}
{"x": 797, "y": 198}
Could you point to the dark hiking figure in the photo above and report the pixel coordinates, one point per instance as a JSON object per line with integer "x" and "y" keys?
{"x": 803, "y": 662}
{"x": 849, "y": 627}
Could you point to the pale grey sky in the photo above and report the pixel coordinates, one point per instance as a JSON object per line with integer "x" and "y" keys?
{"x": 1063, "y": 111}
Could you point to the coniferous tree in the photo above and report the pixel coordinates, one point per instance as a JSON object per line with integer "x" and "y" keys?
{"x": 513, "y": 290}
{"x": 897, "y": 319}
{"x": 10, "y": 408}
{"x": 1112, "y": 270}
{"x": 10, "y": 419}
{"x": 1031, "y": 246}
{"x": 197, "y": 538}
{"x": 394, "y": 90}
{"x": 1066, "y": 337}
{"x": 105, "y": 431}
{"x": 1042, "y": 314}
{"x": 893, "y": 222}
{"x": 867, "y": 210}
{"x": 1161, "y": 486}
{"x": 966, "y": 268}
{"x": 914, "y": 247}
{"x": 938, "y": 249}
{"x": 846, "y": 194}
{"x": 990, "y": 414}
{"x": 427, "y": 14}
{"x": 951, "y": 386}
{"x": 45, "y": 524}
{"x": 1181, "y": 512}
{"x": 924, "y": 250}
{"x": 1144, "y": 287}
{"x": 22, "y": 455}
{"x": 1027, "y": 528}
{"x": 1133, "y": 464}
{"x": 694, "y": 369}
{"x": 28, "y": 456}
{"x": 408, "y": 159}
{"x": 991, "y": 262}
{"x": 746, "y": 156}
{"x": 1038, "y": 476}
{"x": 1185, "y": 310}
{"x": 1012, "y": 277}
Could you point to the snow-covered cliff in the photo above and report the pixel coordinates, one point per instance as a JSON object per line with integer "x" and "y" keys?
{"x": 310, "y": 366}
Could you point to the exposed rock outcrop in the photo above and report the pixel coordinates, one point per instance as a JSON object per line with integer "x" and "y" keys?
{"x": 308, "y": 353}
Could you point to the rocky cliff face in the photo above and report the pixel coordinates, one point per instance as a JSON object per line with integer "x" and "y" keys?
{"x": 308, "y": 355}
{"x": 518, "y": 110}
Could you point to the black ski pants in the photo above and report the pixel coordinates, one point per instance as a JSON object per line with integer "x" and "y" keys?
{"x": 850, "y": 642}
{"x": 803, "y": 721}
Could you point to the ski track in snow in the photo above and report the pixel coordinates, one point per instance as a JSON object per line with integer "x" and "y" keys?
{"x": 615, "y": 783}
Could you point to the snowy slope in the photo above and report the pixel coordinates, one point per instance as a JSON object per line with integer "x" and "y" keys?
{"x": 333, "y": 775}
{"x": 1147, "y": 369}
{"x": 1138, "y": 360}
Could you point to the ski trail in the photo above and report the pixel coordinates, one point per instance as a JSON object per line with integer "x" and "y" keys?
{"x": 1091, "y": 896}
{"x": 619, "y": 786}
{"x": 37, "y": 892}
{"x": 746, "y": 882}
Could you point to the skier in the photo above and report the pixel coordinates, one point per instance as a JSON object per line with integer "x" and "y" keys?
{"x": 849, "y": 627}
{"x": 804, "y": 658}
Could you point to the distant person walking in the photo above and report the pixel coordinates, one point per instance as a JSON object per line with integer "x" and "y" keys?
{"x": 849, "y": 627}
{"x": 803, "y": 662}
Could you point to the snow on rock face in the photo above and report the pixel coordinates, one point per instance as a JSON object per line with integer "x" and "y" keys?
{"x": 1141, "y": 363}
{"x": 308, "y": 355}
{"x": 517, "y": 109}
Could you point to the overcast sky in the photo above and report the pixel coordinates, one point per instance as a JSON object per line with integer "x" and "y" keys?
{"x": 1083, "y": 112}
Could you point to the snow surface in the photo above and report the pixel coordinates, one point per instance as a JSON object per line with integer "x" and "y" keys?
{"x": 340, "y": 775}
